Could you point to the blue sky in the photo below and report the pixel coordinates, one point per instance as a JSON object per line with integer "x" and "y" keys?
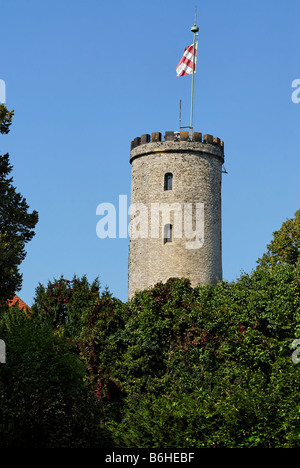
{"x": 85, "y": 77}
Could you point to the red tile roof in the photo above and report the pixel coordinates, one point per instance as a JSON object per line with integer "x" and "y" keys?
{"x": 16, "y": 301}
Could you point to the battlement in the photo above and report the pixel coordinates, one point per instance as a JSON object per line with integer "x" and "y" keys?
{"x": 177, "y": 136}
{"x": 176, "y": 142}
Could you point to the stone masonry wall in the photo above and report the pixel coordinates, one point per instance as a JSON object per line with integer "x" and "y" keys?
{"x": 197, "y": 171}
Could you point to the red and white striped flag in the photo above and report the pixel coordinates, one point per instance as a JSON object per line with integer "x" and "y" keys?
{"x": 185, "y": 66}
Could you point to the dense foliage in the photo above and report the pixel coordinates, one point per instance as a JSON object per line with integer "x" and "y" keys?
{"x": 285, "y": 246}
{"x": 5, "y": 119}
{"x": 211, "y": 367}
{"x": 174, "y": 367}
{"x": 16, "y": 223}
{"x": 44, "y": 402}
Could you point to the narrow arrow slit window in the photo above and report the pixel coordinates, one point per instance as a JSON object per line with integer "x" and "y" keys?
{"x": 167, "y": 233}
{"x": 168, "y": 181}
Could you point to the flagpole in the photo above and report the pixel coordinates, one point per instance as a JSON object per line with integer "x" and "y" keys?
{"x": 194, "y": 30}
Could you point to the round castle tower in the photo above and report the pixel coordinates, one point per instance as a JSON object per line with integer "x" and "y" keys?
{"x": 175, "y": 212}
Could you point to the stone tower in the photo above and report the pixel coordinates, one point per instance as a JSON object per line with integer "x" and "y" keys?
{"x": 175, "y": 212}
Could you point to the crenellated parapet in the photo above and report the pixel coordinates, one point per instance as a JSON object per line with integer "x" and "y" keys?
{"x": 177, "y": 142}
{"x": 177, "y": 136}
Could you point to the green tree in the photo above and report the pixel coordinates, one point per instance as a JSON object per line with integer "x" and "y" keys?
{"x": 44, "y": 399}
{"x": 211, "y": 366}
{"x": 16, "y": 223}
{"x": 285, "y": 246}
{"x": 66, "y": 304}
{"x": 5, "y": 119}
{"x": 93, "y": 320}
